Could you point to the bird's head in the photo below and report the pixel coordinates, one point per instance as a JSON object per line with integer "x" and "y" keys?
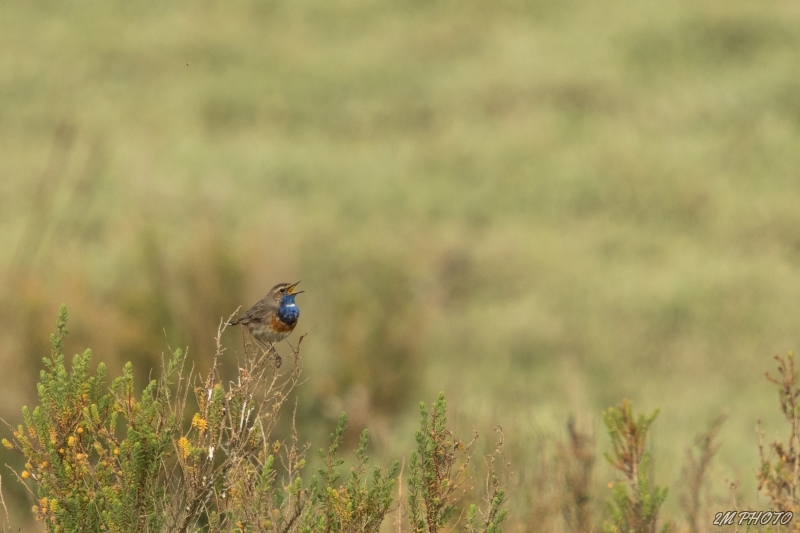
{"x": 284, "y": 292}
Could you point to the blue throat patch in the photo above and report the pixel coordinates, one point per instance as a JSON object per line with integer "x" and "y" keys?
{"x": 288, "y": 312}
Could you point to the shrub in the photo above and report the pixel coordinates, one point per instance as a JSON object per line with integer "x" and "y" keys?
{"x": 108, "y": 459}
{"x": 438, "y": 470}
{"x": 95, "y": 455}
{"x": 779, "y": 472}
{"x": 635, "y": 501}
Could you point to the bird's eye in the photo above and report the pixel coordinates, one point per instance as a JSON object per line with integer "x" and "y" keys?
{"x": 283, "y": 290}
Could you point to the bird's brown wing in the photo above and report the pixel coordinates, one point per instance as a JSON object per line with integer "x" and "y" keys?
{"x": 257, "y": 313}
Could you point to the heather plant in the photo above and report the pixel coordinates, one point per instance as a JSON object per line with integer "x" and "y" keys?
{"x": 437, "y": 468}
{"x": 439, "y": 474}
{"x": 94, "y": 454}
{"x": 493, "y": 514}
{"x": 104, "y": 458}
{"x": 361, "y": 503}
{"x": 635, "y": 500}
{"x": 779, "y": 472}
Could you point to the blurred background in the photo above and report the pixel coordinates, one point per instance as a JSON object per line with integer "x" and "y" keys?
{"x": 540, "y": 207}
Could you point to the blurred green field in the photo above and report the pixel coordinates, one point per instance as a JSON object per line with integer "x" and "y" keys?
{"x": 539, "y": 207}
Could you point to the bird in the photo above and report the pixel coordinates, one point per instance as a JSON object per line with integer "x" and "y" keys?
{"x": 273, "y": 317}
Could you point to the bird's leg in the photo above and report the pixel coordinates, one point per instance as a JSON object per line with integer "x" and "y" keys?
{"x": 271, "y": 348}
{"x": 278, "y": 359}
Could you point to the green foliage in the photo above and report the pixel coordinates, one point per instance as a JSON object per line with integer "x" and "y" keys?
{"x": 635, "y": 501}
{"x": 438, "y": 469}
{"x": 431, "y": 480}
{"x": 361, "y": 503}
{"x": 108, "y": 460}
{"x": 95, "y": 454}
{"x": 492, "y": 517}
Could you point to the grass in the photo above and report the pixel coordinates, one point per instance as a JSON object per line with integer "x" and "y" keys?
{"x": 540, "y": 207}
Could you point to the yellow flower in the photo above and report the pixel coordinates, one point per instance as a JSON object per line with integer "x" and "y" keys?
{"x": 71, "y": 441}
{"x": 7, "y": 444}
{"x": 184, "y": 447}
{"x": 200, "y": 423}
{"x": 276, "y": 447}
{"x": 25, "y": 474}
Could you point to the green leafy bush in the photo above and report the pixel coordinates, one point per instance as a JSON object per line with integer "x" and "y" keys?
{"x": 95, "y": 455}
{"x": 635, "y": 500}
{"x": 108, "y": 459}
{"x": 439, "y": 469}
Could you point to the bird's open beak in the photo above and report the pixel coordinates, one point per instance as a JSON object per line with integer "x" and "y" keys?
{"x": 291, "y": 290}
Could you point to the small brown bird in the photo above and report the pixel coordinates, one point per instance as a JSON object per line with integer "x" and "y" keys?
{"x": 274, "y": 317}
